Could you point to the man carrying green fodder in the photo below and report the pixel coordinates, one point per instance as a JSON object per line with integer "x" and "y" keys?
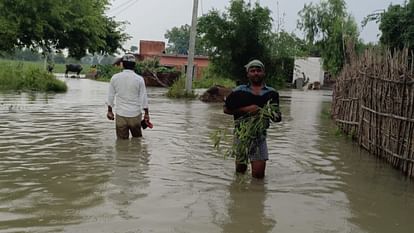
{"x": 252, "y": 106}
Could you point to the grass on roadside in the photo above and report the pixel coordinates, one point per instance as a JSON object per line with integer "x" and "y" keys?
{"x": 207, "y": 82}
{"x": 26, "y": 77}
{"x": 177, "y": 90}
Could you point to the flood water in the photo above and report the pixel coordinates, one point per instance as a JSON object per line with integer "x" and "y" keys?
{"x": 62, "y": 170}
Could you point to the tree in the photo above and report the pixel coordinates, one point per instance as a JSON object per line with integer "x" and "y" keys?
{"x": 286, "y": 44}
{"x": 133, "y": 48}
{"x": 284, "y": 48}
{"x": 178, "y": 41}
{"x": 328, "y": 27}
{"x": 237, "y": 36}
{"x": 77, "y": 25}
{"x": 59, "y": 58}
{"x": 396, "y": 26}
{"x": 23, "y": 54}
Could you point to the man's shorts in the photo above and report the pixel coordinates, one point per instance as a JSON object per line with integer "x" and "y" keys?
{"x": 259, "y": 150}
{"x": 126, "y": 124}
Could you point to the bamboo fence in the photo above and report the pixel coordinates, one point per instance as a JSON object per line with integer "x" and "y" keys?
{"x": 373, "y": 101}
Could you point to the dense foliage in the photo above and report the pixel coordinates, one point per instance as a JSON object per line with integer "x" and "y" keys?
{"x": 237, "y": 36}
{"x": 20, "y": 76}
{"x": 179, "y": 38}
{"x": 148, "y": 66}
{"x": 397, "y": 26}
{"x": 247, "y": 132}
{"x": 328, "y": 27}
{"x": 177, "y": 90}
{"x": 77, "y": 25}
{"x": 210, "y": 78}
{"x": 105, "y": 72}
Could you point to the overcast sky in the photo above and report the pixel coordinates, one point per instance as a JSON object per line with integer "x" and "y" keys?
{"x": 150, "y": 19}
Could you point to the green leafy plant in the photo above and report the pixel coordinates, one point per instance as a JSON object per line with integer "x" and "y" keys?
{"x": 247, "y": 131}
{"x": 105, "y": 72}
{"x": 211, "y": 78}
{"x": 177, "y": 90}
{"x": 209, "y": 82}
{"x": 18, "y": 76}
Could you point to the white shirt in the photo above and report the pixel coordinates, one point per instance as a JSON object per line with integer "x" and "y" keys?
{"x": 129, "y": 92}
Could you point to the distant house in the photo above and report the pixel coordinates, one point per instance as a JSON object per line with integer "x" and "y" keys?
{"x": 156, "y": 49}
{"x": 308, "y": 71}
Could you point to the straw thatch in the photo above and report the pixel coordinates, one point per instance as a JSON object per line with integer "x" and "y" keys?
{"x": 373, "y": 101}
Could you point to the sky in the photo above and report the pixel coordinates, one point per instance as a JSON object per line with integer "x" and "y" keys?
{"x": 150, "y": 19}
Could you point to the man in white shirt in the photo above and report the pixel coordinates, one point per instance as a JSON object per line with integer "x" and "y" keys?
{"x": 128, "y": 91}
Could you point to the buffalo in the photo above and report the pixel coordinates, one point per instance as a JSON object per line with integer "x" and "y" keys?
{"x": 77, "y": 68}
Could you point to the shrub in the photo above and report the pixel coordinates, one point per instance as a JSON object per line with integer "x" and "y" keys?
{"x": 30, "y": 78}
{"x": 211, "y": 78}
{"x": 177, "y": 90}
{"x": 209, "y": 82}
{"x": 105, "y": 72}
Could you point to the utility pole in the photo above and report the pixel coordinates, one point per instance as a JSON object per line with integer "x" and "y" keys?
{"x": 190, "y": 63}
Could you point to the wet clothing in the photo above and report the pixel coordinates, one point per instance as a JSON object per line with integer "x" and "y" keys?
{"x": 128, "y": 96}
{"x": 258, "y": 151}
{"x": 126, "y": 124}
{"x": 127, "y": 93}
{"x": 243, "y": 96}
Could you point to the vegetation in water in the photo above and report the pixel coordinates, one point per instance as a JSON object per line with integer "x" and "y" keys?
{"x": 28, "y": 78}
{"x": 177, "y": 90}
{"x": 210, "y": 78}
{"x": 247, "y": 131}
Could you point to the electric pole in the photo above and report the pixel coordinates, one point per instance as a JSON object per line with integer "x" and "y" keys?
{"x": 190, "y": 63}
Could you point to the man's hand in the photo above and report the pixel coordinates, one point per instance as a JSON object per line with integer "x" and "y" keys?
{"x": 110, "y": 116}
{"x": 276, "y": 116}
{"x": 249, "y": 109}
{"x": 146, "y": 116}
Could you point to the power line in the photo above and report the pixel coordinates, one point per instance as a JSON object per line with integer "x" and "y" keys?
{"x": 125, "y": 7}
{"x": 119, "y": 5}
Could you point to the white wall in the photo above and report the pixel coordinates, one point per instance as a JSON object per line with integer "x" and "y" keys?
{"x": 311, "y": 66}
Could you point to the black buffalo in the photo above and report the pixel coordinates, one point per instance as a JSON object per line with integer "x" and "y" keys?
{"x": 77, "y": 68}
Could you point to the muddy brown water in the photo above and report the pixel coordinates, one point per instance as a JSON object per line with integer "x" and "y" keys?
{"x": 62, "y": 170}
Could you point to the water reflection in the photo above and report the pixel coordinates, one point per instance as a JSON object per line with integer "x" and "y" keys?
{"x": 377, "y": 195}
{"x": 62, "y": 170}
{"x": 129, "y": 178}
{"x": 302, "y": 183}
{"x": 45, "y": 182}
{"x": 246, "y": 207}
{"x": 51, "y": 166}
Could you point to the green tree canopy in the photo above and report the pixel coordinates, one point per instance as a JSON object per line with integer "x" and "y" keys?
{"x": 237, "y": 36}
{"x": 287, "y": 45}
{"x": 178, "y": 41}
{"x": 133, "y": 48}
{"x": 77, "y": 25}
{"x": 328, "y": 26}
{"x": 397, "y": 26}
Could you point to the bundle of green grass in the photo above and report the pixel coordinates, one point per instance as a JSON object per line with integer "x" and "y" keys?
{"x": 247, "y": 131}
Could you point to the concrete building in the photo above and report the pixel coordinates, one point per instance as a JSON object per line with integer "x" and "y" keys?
{"x": 308, "y": 70}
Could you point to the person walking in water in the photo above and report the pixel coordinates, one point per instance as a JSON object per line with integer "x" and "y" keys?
{"x": 244, "y": 102}
{"x": 127, "y": 95}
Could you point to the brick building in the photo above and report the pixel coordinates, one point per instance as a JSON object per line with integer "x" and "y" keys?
{"x": 151, "y": 49}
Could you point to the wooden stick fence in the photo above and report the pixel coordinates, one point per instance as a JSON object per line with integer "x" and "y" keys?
{"x": 373, "y": 101}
